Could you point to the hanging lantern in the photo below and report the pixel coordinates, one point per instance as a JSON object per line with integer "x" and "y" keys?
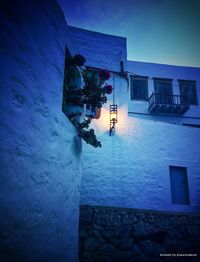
{"x": 113, "y": 118}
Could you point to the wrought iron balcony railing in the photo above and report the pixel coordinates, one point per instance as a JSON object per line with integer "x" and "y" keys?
{"x": 169, "y": 104}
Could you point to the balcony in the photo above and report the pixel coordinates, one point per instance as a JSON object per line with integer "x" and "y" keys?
{"x": 168, "y": 104}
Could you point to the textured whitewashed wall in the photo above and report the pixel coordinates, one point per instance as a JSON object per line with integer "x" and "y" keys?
{"x": 100, "y": 50}
{"x": 40, "y": 161}
{"x": 132, "y": 167}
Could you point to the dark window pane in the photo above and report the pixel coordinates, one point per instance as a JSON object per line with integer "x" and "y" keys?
{"x": 139, "y": 89}
{"x": 188, "y": 89}
{"x": 163, "y": 87}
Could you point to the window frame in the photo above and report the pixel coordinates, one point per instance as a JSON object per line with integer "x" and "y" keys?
{"x": 191, "y": 84}
{"x": 132, "y": 78}
{"x": 185, "y": 171}
{"x": 166, "y": 80}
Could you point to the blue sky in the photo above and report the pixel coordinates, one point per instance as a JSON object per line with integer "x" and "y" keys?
{"x": 158, "y": 31}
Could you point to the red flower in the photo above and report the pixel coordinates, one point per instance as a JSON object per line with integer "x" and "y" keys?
{"x": 108, "y": 89}
{"x": 104, "y": 74}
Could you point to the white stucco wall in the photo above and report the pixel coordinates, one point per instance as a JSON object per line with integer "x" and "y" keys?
{"x": 100, "y": 50}
{"x": 132, "y": 167}
{"x": 40, "y": 161}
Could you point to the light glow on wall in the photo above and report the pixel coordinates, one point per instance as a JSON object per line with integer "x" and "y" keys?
{"x": 103, "y": 123}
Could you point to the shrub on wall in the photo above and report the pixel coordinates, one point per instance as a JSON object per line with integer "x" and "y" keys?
{"x": 85, "y": 87}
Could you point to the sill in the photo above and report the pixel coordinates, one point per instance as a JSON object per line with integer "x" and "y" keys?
{"x": 138, "y": 100}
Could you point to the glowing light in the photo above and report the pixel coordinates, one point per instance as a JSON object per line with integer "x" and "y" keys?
{"x": 102, "y": 124}
{"x": 113, "y": 118}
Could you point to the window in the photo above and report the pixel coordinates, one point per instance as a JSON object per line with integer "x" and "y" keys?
{"x": 179, "y": 185}
{"x": 139, "y": 88}
{"x": 163, "y": 89}
{"x": 188, "y": 89}
{"x": 163, "y": 86}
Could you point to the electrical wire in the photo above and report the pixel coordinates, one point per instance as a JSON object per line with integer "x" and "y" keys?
{"x": 113, "y": 89}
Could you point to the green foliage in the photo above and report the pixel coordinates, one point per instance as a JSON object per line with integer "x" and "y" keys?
{"x": 93, "y": 94}
{"x": 84, "y": 132}
{"x": 90, "y": 137}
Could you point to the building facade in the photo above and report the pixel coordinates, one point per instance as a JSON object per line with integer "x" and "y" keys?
{"x": 152, "y": 159}
{"x": 40, "y": 158}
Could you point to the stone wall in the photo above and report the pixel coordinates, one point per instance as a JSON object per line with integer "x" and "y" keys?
{"x": 121, "y": 234}
{"x": 40, "y": 161}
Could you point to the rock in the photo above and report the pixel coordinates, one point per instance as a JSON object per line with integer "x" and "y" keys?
{"x": 115, "y": 242}
{"x": 139, "y": 240}
{"x": 106, "y": 248}
{"x": 160, "y": 237}
{"x": 107, "y": 233}
{"x": 83, "y": 232}
{"x": 89, "y": 244}
{"x": 136, "y": 251}
{"x": 175, "y": 234}
{"x": 86, "y": 255}
{"x": 183, "y": 247}
{"x": 88, "y": 259}
{"x": 101, "y": 258}
{"x": 126, "y": 220}
{"x": 126, "y": 244}
{"x": 96, "y": 233}
{"x": 193, "y": 230}
{"x": 123, "y": 231}
{"x": 103, "y": 219}
{"x": 86, "y": 216}
{"x": 139, "y": 229}
{"x": 121, "y": 255}
{"x": 98, "y": 228}
{"x": 152, "y": 249}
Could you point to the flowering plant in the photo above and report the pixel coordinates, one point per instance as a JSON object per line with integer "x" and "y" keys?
{"x": 104, "y": 74}
{"x": 93, "y": 93}
{"x": 84, "y": 132}
{"x": 95, "y": 90}
{"x": 108, "y": 89}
